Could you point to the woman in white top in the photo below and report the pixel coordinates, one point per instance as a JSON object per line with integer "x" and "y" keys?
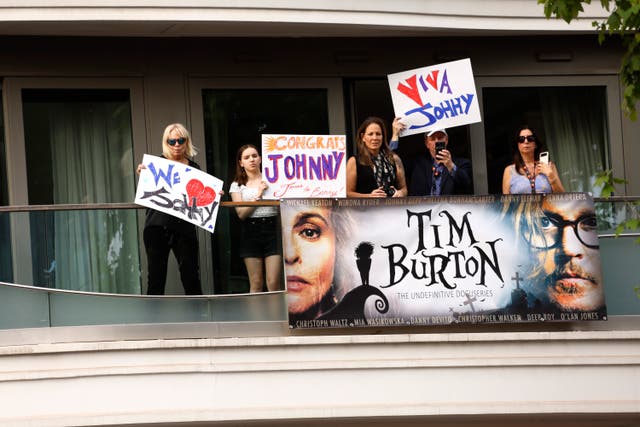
{"x": 260, "y": 241}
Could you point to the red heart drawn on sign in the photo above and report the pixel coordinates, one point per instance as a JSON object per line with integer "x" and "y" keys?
{"x": 203, "y": 195}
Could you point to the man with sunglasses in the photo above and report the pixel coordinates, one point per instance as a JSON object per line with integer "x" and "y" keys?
{"x": 564, "y": 238}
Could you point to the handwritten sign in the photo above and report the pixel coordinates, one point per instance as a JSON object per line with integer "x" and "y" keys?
{"x": 436, "y": 97}
{"x": 179, "y": 190}
{"x": 304, "y": 166}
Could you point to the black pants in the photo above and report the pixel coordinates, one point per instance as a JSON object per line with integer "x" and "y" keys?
{"x": 158, "y": 241}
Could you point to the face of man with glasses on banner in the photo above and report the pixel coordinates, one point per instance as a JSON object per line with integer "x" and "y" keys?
{"x": 563, "y": 237}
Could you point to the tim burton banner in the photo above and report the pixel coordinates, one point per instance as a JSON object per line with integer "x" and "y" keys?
{"x": 441, "y": 260}
{"x": 179, "y": 190}
{"x": 304, "y": 165}
{"x": 436, "y": 97}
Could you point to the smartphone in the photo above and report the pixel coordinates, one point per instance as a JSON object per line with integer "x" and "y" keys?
{"x": 439, "y": 147}
{"x": 544, "y": 157}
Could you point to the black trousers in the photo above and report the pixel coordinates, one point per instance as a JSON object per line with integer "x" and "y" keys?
{"x": 158, "y": 241}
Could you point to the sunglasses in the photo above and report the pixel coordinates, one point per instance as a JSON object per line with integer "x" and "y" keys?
{"x": 529, "y": 138}
{"x": 178, "y": 141}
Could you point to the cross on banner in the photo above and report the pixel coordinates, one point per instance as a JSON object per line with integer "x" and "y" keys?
{"x": 470, "y": 302}
{"x": 517, "y": 279}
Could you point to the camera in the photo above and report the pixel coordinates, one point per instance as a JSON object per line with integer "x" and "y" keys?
{"x": 389, "y": 190}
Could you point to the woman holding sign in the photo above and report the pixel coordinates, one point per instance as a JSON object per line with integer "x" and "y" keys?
{"x": 375, "y": 170}
{"x": 164, "y": 233}
{"x": 259, "y": 241}
{"x": 531, "y": 171}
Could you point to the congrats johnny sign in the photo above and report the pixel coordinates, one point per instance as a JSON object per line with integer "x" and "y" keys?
{"x": 179, "y": 190}
{"x": 435, "y": 97}
{"x": 426, "y": 261}
{"x": 304, "y": 165}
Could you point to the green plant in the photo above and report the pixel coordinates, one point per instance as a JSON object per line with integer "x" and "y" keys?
{"x": 606, "y": 182}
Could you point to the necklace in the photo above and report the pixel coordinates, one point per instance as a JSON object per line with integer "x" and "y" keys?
{"x": 531, "y": 177}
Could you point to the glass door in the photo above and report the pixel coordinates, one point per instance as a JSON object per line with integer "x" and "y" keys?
{"x": 578, "y": 118}
{"x": 74, "y": 145}
{"x": 238, "y": 112}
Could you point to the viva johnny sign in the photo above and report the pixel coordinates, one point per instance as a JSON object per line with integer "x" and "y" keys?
{"x": 435, "y": 97}
{"x": 442, "y": 260}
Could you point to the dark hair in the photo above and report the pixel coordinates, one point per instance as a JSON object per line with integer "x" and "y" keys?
{"x": 241, "y": 175}
{"x": 362, "y": 154}
{"x": 517, "y": 157}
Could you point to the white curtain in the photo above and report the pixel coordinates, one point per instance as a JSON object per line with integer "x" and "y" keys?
{"x": 575, "y": 123}
{"x": 94, "y": 250}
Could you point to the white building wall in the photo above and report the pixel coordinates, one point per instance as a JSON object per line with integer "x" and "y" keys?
{"x": 283, "y": 17}
{"x": 298, "y": 378}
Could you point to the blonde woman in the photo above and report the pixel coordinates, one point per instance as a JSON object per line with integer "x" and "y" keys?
{"x": 164, "y": 233}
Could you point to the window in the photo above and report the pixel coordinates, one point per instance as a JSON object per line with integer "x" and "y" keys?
{"x": 571, "y": 121}
{"x": 578, "y": 117}
{"x": 6, "y": 268}
{"x": 72, "y": 143}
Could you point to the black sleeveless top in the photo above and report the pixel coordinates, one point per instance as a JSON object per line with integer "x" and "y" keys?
{"x": 366, "y": 180}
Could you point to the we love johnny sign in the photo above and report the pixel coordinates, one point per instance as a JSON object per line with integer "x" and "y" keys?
{"x": 435, "y": 97}
{"x": 179, "y": 190}
{"x": 304, "y": 166}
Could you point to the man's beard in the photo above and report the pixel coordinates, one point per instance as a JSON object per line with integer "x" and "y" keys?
{"x": 571, "y": 288}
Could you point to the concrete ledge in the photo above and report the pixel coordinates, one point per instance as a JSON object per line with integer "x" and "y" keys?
{"x": 280, "y": 378}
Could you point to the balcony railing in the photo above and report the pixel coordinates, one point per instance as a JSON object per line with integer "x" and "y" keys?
{"x": 63, "y": 265}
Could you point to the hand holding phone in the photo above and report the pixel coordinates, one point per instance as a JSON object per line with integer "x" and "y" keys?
{"x": 544, "y": 157}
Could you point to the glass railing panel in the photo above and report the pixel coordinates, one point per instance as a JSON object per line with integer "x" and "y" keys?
{"x": 107, "y": 257}
{"x": 613, "y": 212}
{"x": 72, "y": 309}
{"x": 86, "y": 250}
{"x": 97, "y": 249}
{"x": 619, "y": 255}
{"x": 267, "y": 306}
{"x": 23, "y": 307}
{"x": 69, "y": 309}
{"x": 620, "y": 258}
{"x": 230, "y": 273}
{"x": 6, "y": 266}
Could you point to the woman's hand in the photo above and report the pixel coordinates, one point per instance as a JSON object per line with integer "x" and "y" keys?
{"x": 549, "y": 169}
{"x": 396, "y": 193}
{"x": 140, "y": 167}
{"x": 378, "y": 192}
{"x": 546, "y": 169}
{"x": 261, "y": 189}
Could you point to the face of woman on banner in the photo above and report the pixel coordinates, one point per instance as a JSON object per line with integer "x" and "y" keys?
{"x": 309, "y": 242}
